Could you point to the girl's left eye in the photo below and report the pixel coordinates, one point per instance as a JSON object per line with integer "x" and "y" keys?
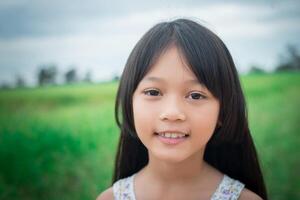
{"x": 151, "y": 92}
{"x": 196, "y": 96}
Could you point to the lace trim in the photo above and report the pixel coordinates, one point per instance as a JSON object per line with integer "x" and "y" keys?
{"x": 228, "y": 189}
{"x": 123, "y": 189}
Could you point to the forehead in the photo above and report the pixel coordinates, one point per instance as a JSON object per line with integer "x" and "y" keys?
{"x": 163, "y": 81}
{"x": 171, "y": 66}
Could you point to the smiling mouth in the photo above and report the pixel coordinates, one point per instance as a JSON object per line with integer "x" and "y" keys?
{"x": 170, "y": 135}
{"x": 171, "y": 138}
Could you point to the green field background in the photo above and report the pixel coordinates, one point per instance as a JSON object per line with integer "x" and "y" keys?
{"x": 59, "y": 142}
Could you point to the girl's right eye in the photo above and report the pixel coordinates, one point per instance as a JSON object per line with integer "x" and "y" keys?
{"x": 151, "y": 92}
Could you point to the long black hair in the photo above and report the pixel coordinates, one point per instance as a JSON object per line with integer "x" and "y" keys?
{"x": 230, "y": 149}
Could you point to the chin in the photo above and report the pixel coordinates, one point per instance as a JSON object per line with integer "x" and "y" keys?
{"x": 169, "y": 157}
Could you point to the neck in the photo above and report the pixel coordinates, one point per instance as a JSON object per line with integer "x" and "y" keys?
{"x": 190, "y": 170}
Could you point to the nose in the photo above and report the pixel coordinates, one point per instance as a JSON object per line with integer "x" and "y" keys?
{"x": 172, "y": 111}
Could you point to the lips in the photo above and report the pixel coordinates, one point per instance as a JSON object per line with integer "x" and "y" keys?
{"x": 172, "y": 137}
{"x": 171, "y": 141}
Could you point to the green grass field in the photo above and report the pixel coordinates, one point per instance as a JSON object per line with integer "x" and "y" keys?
{"x": 59, "y": 142}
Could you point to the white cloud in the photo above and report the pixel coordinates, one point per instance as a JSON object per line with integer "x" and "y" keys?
{"x": 103, "y": 44}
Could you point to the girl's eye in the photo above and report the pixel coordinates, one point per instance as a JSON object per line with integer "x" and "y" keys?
{"x": 151, "y": 92}
{"x": 196, "y": 96}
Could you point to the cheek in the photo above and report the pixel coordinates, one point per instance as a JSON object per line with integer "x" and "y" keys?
{"x": 204, "y": 122}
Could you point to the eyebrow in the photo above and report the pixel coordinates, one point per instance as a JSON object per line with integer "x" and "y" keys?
{"x": 156, "y": 79}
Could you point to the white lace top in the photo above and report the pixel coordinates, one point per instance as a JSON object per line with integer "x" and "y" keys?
{"x": 228, "y": 189}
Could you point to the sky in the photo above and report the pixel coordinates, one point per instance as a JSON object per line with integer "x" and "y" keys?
{"x": 97, "y": 36}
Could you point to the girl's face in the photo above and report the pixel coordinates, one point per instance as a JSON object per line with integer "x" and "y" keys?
{"x": 170, "y": 98}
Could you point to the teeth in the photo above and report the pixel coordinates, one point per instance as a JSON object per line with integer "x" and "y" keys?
{"x": 172, "y": 135}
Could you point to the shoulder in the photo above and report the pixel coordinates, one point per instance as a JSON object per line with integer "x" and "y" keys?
{"x": 249, "y": 195}
{"x": 106, "y": 195}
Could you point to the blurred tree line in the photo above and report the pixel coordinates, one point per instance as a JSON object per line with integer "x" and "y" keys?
{"x": 288, "y": 62}
{"x": 292, "y": 61}
{"x": 47, "y": 73}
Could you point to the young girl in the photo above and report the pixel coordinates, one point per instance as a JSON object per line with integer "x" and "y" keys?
{"x": 184, "y": 129}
